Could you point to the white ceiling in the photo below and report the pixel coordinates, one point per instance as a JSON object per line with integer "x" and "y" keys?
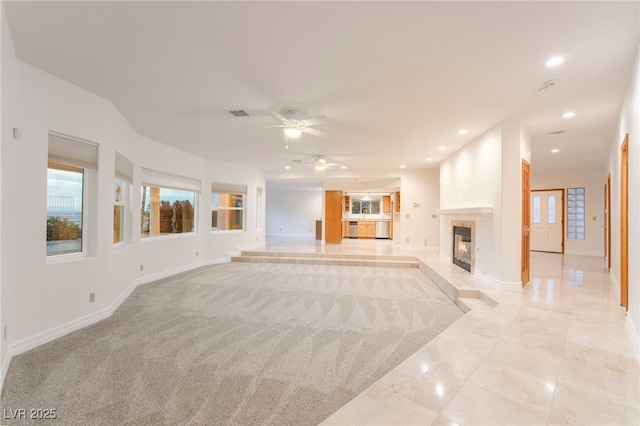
{"x": 395, "y": 79}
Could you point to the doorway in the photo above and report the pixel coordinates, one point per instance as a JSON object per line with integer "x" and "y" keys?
{"x": 547, "y": 220}
{"x": 525, "y": 260}
{"x": 607, "y": 221}
{"x": 624, "y": 224}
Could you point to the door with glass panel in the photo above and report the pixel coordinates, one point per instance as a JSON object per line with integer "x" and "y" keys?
{"x": 546, "y": 220}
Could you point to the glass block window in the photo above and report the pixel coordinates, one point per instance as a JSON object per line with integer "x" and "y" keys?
{"x": 575, "y": 213}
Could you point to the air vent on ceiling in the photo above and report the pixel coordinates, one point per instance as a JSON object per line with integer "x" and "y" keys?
{"x": 239, "y": 113}
{"x": 556, "y": 132}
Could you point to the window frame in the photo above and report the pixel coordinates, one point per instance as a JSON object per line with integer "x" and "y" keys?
{"x": 124, "y": 172}
{"x": 228, "y": 189}
{"x": 68, "y": 153}
{"x": 162, "y": 180}
{"x": 573, "y": 232}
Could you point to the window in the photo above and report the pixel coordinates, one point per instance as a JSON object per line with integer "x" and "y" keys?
{"x": 168, "y": 204}
{"x": 551, "y": 209}
{"x": 536, "y": 209}
{"x": 575, "y": 213}
{"x": 121, "y": 199}
{"x": 71, "y": 163}
{"x": 227, "y": 206}
{"x": 258, "y": 208}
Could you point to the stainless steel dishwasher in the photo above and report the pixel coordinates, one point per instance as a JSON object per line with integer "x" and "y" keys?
{"x": 382, "y": 229}
{"x": 353, "y": 229}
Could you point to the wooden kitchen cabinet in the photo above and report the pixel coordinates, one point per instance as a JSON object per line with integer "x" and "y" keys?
{"x": 366, "y": 229}
{"x": 386, "y": 204}
{"x": 347, "y": 203}
{"x": 345, "y": 229}
{"x": 397, "y": 201}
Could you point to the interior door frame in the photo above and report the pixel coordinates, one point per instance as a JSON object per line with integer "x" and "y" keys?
{"x": 608, "y": 221}
{"x": 525, "y": 252}
{"x": 562, "y": 209}
{"x": 624, "y": 223}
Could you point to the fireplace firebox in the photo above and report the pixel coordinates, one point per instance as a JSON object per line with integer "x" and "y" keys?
{"x": 462, "y": 247}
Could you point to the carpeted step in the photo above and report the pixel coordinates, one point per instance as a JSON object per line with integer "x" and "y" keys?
{"x": 405, "y": 262}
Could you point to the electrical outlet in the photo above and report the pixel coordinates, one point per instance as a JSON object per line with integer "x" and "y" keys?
{"x": 92, "y": 297}
{"x": 425, "y": 241}
{"x": 5, "y": 332}
{"x": 197, "y": 254}
{"x": 141, "y": 267}
{"x": 407, "y": 240}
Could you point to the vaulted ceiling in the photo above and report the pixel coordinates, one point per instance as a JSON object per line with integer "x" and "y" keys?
{"x": 396, "y": 80}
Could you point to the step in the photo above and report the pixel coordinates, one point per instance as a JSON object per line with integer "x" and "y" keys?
{"x": 328, "y": 255}
{"x": 324, "y": 260}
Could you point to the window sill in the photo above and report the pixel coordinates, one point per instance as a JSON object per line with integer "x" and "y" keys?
{"x": 167, "y": 237}
{"x": 64, "y": 258}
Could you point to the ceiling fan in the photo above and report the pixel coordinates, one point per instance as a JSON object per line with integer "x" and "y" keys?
{"x": 320, "y": 163}
{"x": 293, "y": 126}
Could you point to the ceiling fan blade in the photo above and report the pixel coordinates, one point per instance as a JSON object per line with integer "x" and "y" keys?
{"x": 312, "y": 121}
{"x": 276, "y": 125}
{"x": 315, "y": 132}
{"x": 279, "y": 116}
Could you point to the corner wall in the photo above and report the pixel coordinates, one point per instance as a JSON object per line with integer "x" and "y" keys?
{"x": 41, "y": 299}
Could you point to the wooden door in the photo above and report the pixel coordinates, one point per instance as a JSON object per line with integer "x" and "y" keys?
{"x": 333, "y": 217}
{"x": 526, "y": 223}
{"x": 547, "y": 220}
{"x": 608, "y": 222}
{"x": 624, "y": 224}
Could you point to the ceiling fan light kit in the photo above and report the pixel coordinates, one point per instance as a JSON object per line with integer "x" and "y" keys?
{"x": 292, "y": 132}
{"x": 294, "y": 127}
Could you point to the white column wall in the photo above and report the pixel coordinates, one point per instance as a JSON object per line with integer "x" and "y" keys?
{"x": 488, "y": 173}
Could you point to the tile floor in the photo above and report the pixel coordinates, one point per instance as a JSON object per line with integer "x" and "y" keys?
{"x": 555, "y": 352}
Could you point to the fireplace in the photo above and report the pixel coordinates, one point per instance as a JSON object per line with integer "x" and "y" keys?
{"x": 463, "y": 245}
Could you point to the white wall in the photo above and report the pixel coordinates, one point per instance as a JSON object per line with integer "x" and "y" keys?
{"x": 418, "y": 226}
{"x": 42, "y": 300}
{"x": 293, "y": 212}
{"x": 629, "y": 123}
{"x": 593, "y": 180}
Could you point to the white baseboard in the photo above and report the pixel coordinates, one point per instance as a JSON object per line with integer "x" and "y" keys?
{"x": 635, "y": 339}
{"x": 503, "y": 285}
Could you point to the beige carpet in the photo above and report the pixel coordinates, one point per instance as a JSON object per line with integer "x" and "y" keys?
{"x": 244, "y": 344}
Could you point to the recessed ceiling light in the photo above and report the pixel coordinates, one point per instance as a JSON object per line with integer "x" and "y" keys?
{"x": 554, "y": 62}
{"x": 403, "y": 166}
{"x": 343, "y": 167}
{"x": 462, "y": 131}
{"x": 569, "y": 114}
{"x": 428, "y": 158}
{"x": 442, "y": 148}
{"x": 555, "y": 151}
{"x": 287, "y": 167}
